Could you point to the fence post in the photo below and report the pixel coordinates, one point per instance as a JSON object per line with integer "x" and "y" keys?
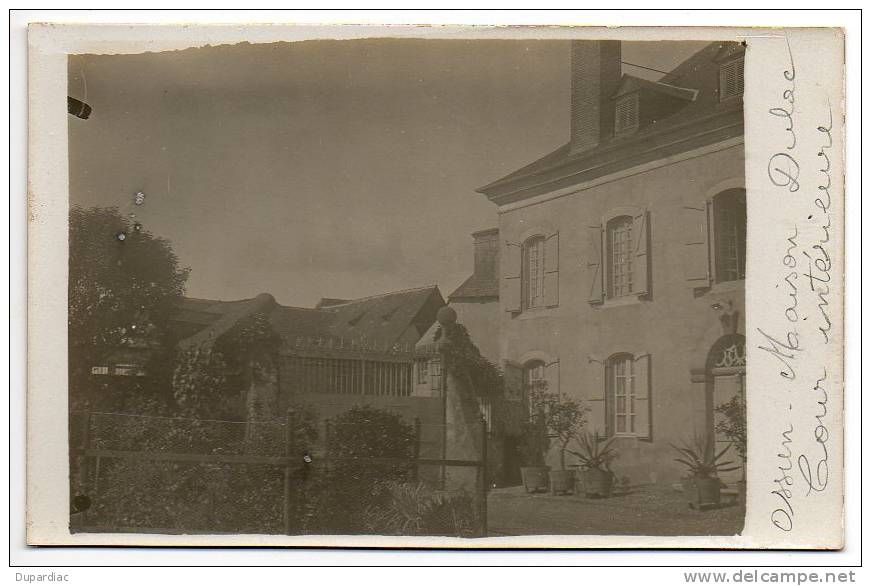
{"x": 86, "y": 444}
{"x": 288, "y": 439}
{"x": 483, "y": 485}
{"x": 82, "y": 463}
{"x": 416, "y": 471}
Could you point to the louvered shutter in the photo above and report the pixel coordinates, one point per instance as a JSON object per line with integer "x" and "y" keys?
{"x": 594, "y": 264}
{"x": 641, "y": 278}
{"x": 732, "y": 79}
{"x": 696, "y": 261}
{"x": 551, "y": 270}
{"x": 609, "y": 400}
{"x": 643, "y": 404}
{"x": 511, "y": 277}
{"x": 626, "y": 114}
{"x": 551, "y": 374}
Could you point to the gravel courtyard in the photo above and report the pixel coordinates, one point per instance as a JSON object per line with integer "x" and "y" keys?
{"x": 643, "y": 510}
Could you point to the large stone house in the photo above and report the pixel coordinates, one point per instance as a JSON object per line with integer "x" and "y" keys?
{"x": 621, "y": 254}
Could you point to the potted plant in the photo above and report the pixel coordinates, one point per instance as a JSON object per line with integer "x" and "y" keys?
{"x": 533, "y": 470}
{"x": 564, "y": 418}
{"x": 733, "y": 425}
{"x": 595, "y": 457}
{"x": 702, "y": 484}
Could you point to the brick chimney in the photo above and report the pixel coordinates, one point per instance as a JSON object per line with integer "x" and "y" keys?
{"x": 486, "y": 253}
{"x": 596, "y": 73}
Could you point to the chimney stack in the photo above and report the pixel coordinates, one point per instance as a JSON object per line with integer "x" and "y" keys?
{"x": 486, "y": 253}
{"x": 596, "y": 74}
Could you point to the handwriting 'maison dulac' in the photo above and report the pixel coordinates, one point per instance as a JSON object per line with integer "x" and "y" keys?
{"x": 806, "y": 282}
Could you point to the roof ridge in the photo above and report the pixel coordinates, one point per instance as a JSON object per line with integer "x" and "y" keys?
{"x": 658, "y": 82}
{"x": 186, "y": 298}
{"x": 316, "y": 309}
{"x": 410, "y": 290}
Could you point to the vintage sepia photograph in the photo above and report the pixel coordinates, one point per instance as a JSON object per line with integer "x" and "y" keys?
{"x": 409, "y": 287}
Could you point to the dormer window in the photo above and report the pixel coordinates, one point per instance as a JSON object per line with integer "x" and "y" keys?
{"x": 626, "y": 114}
{"x": 732, "y": 79}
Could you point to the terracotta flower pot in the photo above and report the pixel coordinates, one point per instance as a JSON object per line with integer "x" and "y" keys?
{"x": 702, "y": 493}
{"x": 562, "y": 481}
{"x": 535, "y": 478}
{"x": 598, "y": 483}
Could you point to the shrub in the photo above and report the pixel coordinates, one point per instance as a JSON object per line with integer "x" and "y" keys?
{"x": 414, "y": 509}
{"x": 367, "y": 448}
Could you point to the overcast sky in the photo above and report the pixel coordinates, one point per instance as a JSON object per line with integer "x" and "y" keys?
{"x": 321, "y": 168}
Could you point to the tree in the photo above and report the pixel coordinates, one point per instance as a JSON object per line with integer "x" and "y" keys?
{"x": 565, "y": 418}
{"x": 124, "y": 285}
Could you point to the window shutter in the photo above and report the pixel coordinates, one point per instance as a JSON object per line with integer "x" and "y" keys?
{"x": 626, "y": 114}
{"x": 513, "y": 381}
{"x": 551, "y": 270}
{"x": 732, "y": 79}
{"x": 641, "y": 278}
{"x": 594, "y": 264}
{"x": 697, "y": 262}
{"x": 643, "y": 407}
{"x": 551, "y": 373}
{"x": 609, "y": 401}
{"x": 511, "y": 280}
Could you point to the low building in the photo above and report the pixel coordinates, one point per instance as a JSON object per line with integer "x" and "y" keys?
{"x": 336, "y": 355}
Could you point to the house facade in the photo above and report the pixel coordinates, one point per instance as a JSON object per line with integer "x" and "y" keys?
{"x": 621, "y": 254}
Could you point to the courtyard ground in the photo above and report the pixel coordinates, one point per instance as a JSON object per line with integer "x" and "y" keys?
{"x": 642, "y": 510}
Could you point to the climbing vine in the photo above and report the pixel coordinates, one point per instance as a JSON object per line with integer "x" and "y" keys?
{"x": 199, "y": 381}
{"x": 208, "y": 377}
{"x": 249, "y": 336}
{"x": 485, "y": 377}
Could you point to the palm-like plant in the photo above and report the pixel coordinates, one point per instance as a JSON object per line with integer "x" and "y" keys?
{"x": 594, "y": 454}
{"x": 701, "y": 460}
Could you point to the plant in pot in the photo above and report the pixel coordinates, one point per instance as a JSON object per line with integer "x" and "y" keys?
{"x": 564, "y": 418}
{"x": 532, "y": 449}
{"x": 701, "y": 484}
{"x": 733, "y": 425}
{"x": 595, "y": 457}
{"x": 534, "y": 444}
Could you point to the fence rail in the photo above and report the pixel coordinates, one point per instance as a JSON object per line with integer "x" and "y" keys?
{"x": 173, "y": 475}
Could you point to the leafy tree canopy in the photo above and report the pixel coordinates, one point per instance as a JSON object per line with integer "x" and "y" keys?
{"x": 124, "y": 284}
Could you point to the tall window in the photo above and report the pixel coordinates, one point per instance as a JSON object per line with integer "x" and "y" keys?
{"x": 620, "y": 282}
{"x": 621, "y": 394}
{"x": 533, "y": 377}
{"x": 730, "y": 235}
{"x": 534, "y": 374}
{"x": 533, "y": 272}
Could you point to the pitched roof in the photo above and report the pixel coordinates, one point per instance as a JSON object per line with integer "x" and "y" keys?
{"x": 226, "y": 315}
{"x": 296, "y": 322}
{"x": 630, "y": 83}
{"x": 476, "y": 287}
{"x": 382, "y": 321}
{"x": 702, "y": 120}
